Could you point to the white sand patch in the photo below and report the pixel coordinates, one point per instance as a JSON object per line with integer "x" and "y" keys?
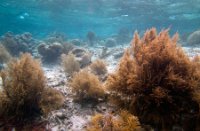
{"x": 78, "y": 123}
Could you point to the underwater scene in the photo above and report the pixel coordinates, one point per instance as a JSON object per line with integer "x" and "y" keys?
{"x": 100, "y": 65}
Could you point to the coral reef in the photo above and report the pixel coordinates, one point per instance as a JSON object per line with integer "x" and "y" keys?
{"x": 123, "y": 122}
{"x": 17, "y": 44}
{"x": 98, "y": 67}
{"x": 157, "y": 81}
{"x": 194, "y": 38}
{"x": 4, "y": 55}
{"x": 24, "y": 94}
{"x": 91, "y": 37}
{"x": 70, "y": 64}
{"x": 50, "y": 53}
{"x": 86, "y": 86}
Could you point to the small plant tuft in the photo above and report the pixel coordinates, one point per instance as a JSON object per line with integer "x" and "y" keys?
{"x": 70, "y": 64}
{"x": 86, "y": 86}
{"x": 122, "y": 122}
{"x": 98, "y": 67}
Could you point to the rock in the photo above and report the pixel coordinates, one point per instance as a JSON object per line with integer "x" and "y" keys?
{"x": 60, "y": 115}
{"x": 101, "y": 109}
{"x": 85, "y": 60}
{"x": 50, "y": 53}
{"x": 78, "y": 52}
{"x": 17, "y": 44}
{"x": 82, "y": 56}
{"x": 194, "y": 38}
{"x": 62, "y": 128}
{"x": 27, "y": 37}
{"x": 110, "y": 42}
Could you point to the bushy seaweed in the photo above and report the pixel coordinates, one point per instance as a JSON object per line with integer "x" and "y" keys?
{"x": 156, "y": 81}
{"x": 24, "y": 95}
{"x": 70, "y": 64}
{"x": 122, "y": 122}
{"x": 86, "y": 86}
{"x": 98, "y": 67}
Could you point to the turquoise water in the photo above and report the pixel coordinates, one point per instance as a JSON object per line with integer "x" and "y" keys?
{"x": 104, "y": 17}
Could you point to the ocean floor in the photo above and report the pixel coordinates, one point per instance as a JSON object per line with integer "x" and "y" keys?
{"x": 73, "y": 116}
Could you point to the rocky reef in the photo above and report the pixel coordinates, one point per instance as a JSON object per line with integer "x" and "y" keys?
{"x": 17, "y": 44}
{"x": 194, "y": 38}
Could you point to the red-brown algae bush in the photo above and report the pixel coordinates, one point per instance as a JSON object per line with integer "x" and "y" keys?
{"x": 159, "y": 81}
{"x": 24, "y": 91}
{"x": 51, "y": 99}
{"x": 69, "y": 64}
{"x": 98, "y": 67}
{"x": 86, "y": 86}
{"x": 122, "y": 122}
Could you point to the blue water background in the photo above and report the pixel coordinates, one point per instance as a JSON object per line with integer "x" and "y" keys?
{"x": 104, "y": 17}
